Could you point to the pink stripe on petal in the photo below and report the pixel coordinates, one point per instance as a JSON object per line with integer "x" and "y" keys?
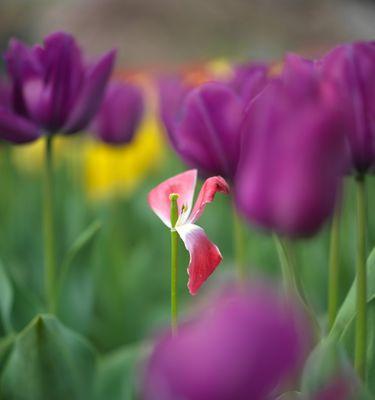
{"x": 182, "y": 184}
{"x": 204, "y": 255}
{"x": 207, "y": 194}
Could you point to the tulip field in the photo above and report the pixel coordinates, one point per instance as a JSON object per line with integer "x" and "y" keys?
{"x": 204, "y": 233}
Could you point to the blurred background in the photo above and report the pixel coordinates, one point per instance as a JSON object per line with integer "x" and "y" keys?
{"x": 117, "y": 291}
{"x": 152, "y": 33}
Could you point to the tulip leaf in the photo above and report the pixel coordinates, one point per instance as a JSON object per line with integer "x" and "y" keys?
{"x": 291, "y": 396}
{"x": 82, "y": 240}
{"x": 117, "y": 373}
{"x": 48, "y": 361}
{"x": 6, "y": 299}
{"x": 5, "y": 347}
{"x": 347, "y": 312}
{"x": 348, "y": 340}
{"x": 328, "y": 369}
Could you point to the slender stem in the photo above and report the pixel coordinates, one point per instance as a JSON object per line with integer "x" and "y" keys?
{"x": 174, "y": 261}
{"x": 239, "y": 244}
{"x": 361, "y": 320}
{"x": 334, "y": 268}
{"x": 49, "y": 227}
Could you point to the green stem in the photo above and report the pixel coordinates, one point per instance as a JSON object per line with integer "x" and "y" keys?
{"x": 361, "y": 320}
{"x": 334, "y": 268}
{"x": 174, "y": 261}
{"x": 239, "y": 245}
{"x": 49, "y": 227}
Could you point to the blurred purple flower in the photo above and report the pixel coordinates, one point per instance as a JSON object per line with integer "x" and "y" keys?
{"x": 293, "y": 154}
{"x": 352, "y": 68}
{"x": 203, "y": 126}
{"x": 52, "y": 88}
{"x": 242, "y": 347}
{"x": 120, "y": 113}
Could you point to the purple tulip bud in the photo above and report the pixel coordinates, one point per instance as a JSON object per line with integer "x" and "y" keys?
{"x": 120, "y": 114}
{"x": 204, "y": 127}
{"x": 293, "y": 154}
{"x": 53, "y": 89}
{"x": 352, "y": 69}
{"x": 241, "y": 347}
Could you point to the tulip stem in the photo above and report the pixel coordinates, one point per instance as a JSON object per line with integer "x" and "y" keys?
{"x": 49, "y": 227}
{"x": 239, "y": 245}
{"x": 334, "y": 268}
{"x": 174, "y": 261}
{"x": 361, "y": 319}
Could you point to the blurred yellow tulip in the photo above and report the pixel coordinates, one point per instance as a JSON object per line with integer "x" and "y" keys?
{"x": 118, "y": 170}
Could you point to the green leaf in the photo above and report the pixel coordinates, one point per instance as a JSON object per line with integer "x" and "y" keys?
{"x": 117, "y": 373}
{"x": 347, "y": 311}
{"x": 291, "y": 396}
{"x": 5, "y": 347}
{"x": 48, "y": 361}
{"x": 6, "y": 299}
{"x": 329, "y": 365}
{"x": 348, "y": 337}
{"x": 82, "y": 240}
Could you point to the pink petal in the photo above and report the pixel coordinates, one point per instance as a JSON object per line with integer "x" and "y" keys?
{"x": 184, "y": 185}
{"x": 207, "y": 194}
{"x": 204, "y": 255}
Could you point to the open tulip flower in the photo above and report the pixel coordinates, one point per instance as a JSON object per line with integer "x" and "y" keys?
{"x": 52, "y": 88}
{"x": 204, "y": 255}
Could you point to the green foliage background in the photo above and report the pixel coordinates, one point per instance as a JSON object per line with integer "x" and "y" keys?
{"x": 116, "y": 293}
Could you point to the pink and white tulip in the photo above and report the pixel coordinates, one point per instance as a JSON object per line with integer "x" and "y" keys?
{"x": 204, "y": 255}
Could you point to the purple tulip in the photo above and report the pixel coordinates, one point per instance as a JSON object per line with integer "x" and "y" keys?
{"x": 120, "y": 113}
{"x": 204, "y": 126}
{"x": 53, "y": 88}
{"x": 242, "y": 347}
{"x": 352, "y": 68}
{"x": 293, "y": 154}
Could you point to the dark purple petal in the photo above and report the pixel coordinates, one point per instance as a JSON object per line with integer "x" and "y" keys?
{"x": 292, "y": 159}
{"x": 91, "y": 93}
{"x": 5, "y": 93}
{"x": 15, "y": 128}
{"x": 208, "y": 135}
{"x": 241, "y": 347}
{"x": 22, "y": 64}
{"x": 50, "y": 97}
{"x": 352, "y": 68}
{"x": 120, "y": 113}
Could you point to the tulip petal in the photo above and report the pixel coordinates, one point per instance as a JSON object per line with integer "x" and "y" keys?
{"x": 182, "y": 184}
{"x": 63, "y": 76}
{"x": 208, "y": 135}
{"x": 204, "y": 255}
{"x": 15, "y": 128}
{"x": 22, "y": 63}
{"x": 207, "y": 194}
{"x": 91, "y": 94}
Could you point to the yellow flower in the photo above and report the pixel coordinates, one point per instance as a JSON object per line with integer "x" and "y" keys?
{"x": 118, "y": 170}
